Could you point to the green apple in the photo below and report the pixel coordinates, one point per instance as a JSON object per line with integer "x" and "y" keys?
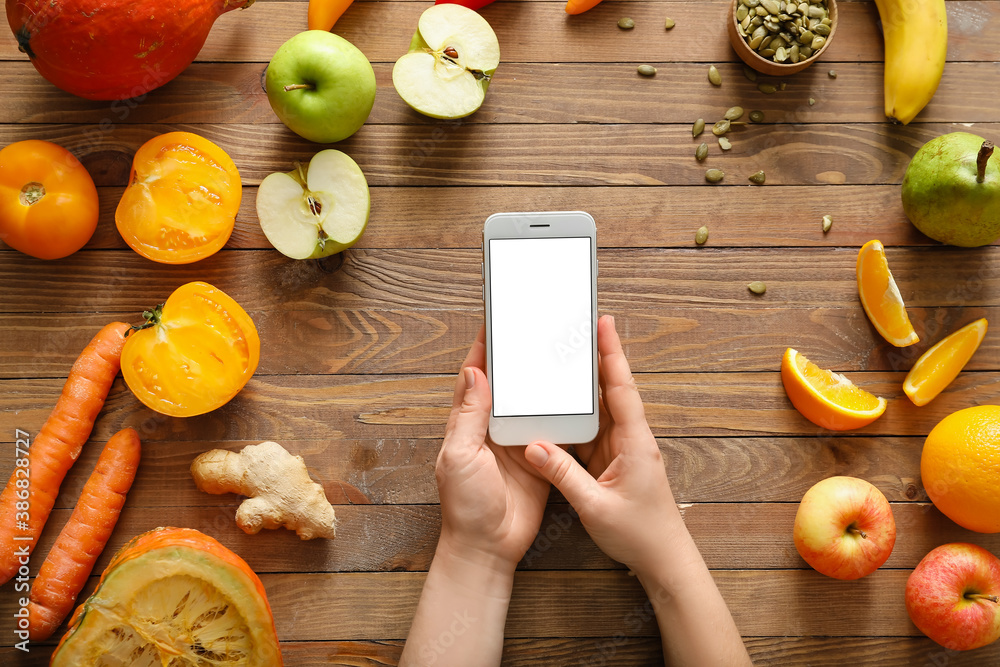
{"x": 452, "y": 57}
{"x": 321, "y": 86}
{"x": 315, "y": 211}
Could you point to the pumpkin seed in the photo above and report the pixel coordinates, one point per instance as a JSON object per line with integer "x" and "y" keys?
{"x": 714, "y": 76}
{"x": 832, "y": 73}
{"x": 822, "y": 29}
{"x": 626, "y": 23}
{"x": 721, "y": 127}
{"x": 780, "y": 55}
{"x": 818, "y": 42}
{"x": 757, "y": 287}
{"x": 702, "y": 152}
{"x": 757, "y": 177}
{"x": 767, "y": 88}
{"x": 701, "y": 235}
{"x": 756, "y": 116}
{"x": 699, "y": 127}
{"x": 714, "y": 175}
{"x": 668, "y": 24}
{"x": 646, "y": 70}
{"x": 827, "y": 223}
{"x": 724, "y": 144}
{"x": 782, "y": 85}
{"x": 742, "y": 13}
{"x": 767, "y": 53}
{"x": 752, "y": 4}
{"x": 734, "y": 113}
{"x": 771, "y": 6}
{"x": 805, "y": 52}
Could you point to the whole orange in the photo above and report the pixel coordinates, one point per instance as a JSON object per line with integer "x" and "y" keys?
{"x": 960, "y": 467}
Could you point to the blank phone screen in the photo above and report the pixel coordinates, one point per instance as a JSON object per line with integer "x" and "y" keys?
{"x": 540, "y": 326}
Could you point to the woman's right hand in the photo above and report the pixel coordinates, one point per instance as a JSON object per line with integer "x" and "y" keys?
{"x": 623, "y": 497}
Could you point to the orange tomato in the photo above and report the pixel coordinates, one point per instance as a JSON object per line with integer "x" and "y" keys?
{"x": 181, "y": 201}
{"x": 48, "y": 202}
{"x": 194, "y": 353}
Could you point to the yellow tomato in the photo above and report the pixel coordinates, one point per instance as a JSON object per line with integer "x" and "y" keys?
{"x": 48, "y": 202}
{"x": 181, "y": 201}
{"x": 194, "y": 354}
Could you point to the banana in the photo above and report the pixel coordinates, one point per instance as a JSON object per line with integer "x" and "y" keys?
{"x": 916, "y": 44}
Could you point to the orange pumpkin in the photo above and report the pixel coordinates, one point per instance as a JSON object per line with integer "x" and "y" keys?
{"x": 113, "y": 49}
{"x": 177, "y": 595}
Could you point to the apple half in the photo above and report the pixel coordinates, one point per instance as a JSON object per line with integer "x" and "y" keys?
{"x": 316, "y": 210}
{"x": 452, "y": 57}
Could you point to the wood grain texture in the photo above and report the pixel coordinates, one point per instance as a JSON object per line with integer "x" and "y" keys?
{"x": 444, "y": 217}
{"x": 629, "y": 280}
{"x": 284, "y": 407}
{"x": 662, "y": 339}
{"x": 386, "y": 471}
{"x": 542, "y": 32}
{"x": 561, "y": 604}
{"x": 526, "y": 93}
{"x": 461, "y": 153}
{"x": 629, "y": 652}
{"x": 402, "y": 538}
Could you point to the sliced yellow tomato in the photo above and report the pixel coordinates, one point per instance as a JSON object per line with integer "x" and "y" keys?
{"x": 181, "y": 201}
{"x": 826, "y": 398}
{"x": 194, "y": 354}
{"x": 938, "y": 366}
{"x": 173, "y": 597}
{"x": 880, "y": 297}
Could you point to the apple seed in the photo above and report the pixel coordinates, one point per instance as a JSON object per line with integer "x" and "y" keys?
{"x": 451, "y": 52}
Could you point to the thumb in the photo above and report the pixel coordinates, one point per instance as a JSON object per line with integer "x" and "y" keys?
{"x": 472, "y": 412}
{"x": 556, "y": 465}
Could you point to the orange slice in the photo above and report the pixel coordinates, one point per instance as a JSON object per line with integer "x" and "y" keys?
{"x": 880, "y": 296}
{"x": 826, "y": 398}
{"x": 938, "y": 366}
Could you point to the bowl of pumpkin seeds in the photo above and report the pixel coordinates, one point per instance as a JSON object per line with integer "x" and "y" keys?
{"x": 779, "y": 37}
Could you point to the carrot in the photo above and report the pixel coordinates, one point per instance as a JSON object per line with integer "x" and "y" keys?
{"x": 322, "y": 14}
{"x": 56, "y": 447}
{"x": 69, "y": 563}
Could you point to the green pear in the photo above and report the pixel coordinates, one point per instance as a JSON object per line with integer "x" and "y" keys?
{"x": 951, "y": 190}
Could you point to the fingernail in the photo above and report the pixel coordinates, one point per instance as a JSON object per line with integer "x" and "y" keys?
{"x": 612, "y": 319}
{"x": 470, "y": 378}
{"x": 536, "y": 455}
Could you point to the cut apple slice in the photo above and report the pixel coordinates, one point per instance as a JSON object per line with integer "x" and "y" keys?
{"x": 173, "y": 596}
{"x": 452, "y": 57}
{"x": 315, "y": 211}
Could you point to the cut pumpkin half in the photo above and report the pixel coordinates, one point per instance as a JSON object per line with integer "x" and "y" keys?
{"x": 939, "y": 366}
{"x": 880, "y": 297}
{"x": 826, "y": 398}
{"x": 173, "y": 597}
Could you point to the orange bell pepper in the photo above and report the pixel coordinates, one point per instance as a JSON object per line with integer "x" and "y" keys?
{"x": 324, "y": 13}
{"x": 580, "y": 6}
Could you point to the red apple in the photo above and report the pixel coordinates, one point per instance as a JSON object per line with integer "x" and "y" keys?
{"x": 953, "y": 596}
{"x": 844, "y": 528}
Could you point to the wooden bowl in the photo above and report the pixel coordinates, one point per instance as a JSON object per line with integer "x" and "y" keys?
{"x": 769, "y": 67}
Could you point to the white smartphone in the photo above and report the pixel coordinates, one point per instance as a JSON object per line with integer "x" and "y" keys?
{"x": 540, "y": 298}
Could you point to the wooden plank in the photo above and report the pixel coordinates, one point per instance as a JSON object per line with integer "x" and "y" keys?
{"x": 542, "y": 32}
{"x": 402, "y": 538}
{"x": 286, "y": 407}
{"x": 462, "y": 153}
{"x": 526, "y": 93}
{"x": 627, "y": 217}
{"x": 623, "y": 652}
{"x": 662, "y": 339}
{"x": 430, "y": 279}
{"x": 554, "y": 604}
{"x": 385, "y": 471}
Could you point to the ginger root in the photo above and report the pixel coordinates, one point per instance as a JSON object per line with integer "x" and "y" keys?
{"x": 279, "y": 489}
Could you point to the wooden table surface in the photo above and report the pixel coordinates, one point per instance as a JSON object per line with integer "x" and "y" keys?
{"x": 359, "y": 350}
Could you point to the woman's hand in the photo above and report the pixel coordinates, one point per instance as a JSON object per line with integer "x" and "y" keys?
{"x": 492, "y": 500}
{"x": 623, "y": 497}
